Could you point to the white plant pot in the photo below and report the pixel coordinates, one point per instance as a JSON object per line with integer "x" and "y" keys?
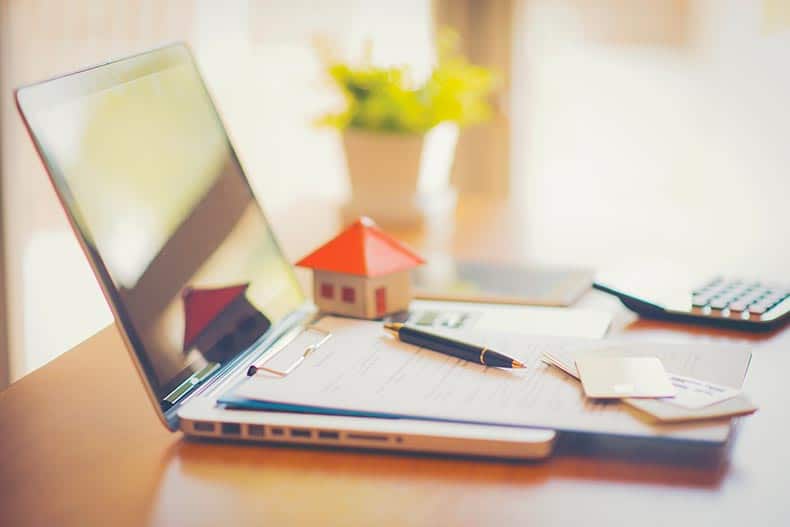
{"x": 400, "y": 179}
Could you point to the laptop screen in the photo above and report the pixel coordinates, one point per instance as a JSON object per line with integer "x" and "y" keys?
{"x": 146, "y": 172}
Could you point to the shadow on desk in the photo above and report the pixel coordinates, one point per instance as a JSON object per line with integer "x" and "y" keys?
{"x": 646, "y": 460}
{"x": 577, "y": 456}
{"x": 641, "y": 328}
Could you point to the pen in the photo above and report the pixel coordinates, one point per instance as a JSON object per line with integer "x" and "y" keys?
{"x": 456, "y": 348}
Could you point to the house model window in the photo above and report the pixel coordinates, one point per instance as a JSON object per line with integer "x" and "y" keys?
{"x": 327, "y": 291}
{"x": 369, "y": 269}
{"x": 348, "y": 295}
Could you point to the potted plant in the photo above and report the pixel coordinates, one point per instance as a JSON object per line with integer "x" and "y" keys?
{"x": 399, "y": 136}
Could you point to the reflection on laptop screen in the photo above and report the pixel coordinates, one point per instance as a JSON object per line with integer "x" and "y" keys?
{"x": 145, "y": 168}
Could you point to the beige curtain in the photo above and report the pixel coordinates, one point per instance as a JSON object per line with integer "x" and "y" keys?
{"x": 486, "y": 29}
{"x": 4, "y": 355}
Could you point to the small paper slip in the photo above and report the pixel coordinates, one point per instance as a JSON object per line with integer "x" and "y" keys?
{"x": 611, "y": 377}
{"x": 693, "y": 393}
{"x": 668, "y": 412}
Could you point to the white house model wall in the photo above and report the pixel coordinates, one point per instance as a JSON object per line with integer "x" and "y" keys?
{"x": 360, "y": 296}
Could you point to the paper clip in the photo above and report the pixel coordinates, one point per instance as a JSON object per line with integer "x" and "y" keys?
{"x": 308, "y": 350}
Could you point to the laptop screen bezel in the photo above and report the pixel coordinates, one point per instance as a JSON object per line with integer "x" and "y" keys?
{"x": 101, "y": 77}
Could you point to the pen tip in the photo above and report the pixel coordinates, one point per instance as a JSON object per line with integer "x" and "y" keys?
{"x": 517, "y": 364}
{"x": 392, "y": 327}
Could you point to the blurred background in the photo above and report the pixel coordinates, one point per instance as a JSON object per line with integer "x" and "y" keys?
{"x": 626, "y": 130}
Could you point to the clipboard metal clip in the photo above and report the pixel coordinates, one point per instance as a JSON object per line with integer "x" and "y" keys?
{"x": 308, "y": 350}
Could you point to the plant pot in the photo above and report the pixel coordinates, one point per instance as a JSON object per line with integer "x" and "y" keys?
{"x": 400, "y": 180}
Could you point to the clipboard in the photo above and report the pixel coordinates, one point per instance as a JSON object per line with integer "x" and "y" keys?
{"x": 315, "y": 337}
{"x": 361, "y": 371}
{"x": 293, "y": 353}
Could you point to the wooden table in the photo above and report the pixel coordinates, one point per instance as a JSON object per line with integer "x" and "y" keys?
{"x": 80, "y": 445}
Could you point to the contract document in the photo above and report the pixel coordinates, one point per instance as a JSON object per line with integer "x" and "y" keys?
{"x": 363, "y": 371}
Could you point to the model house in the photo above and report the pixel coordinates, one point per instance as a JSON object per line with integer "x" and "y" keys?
{"x": 221, "y": 322}
{"x": 362, "y": 272}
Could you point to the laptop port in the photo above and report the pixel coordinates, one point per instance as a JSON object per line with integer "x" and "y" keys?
{"x": 276, "y": 431}
{"x": 255, "y": 430}
{"x": 367, "y": 437}
{"x": 201, "y": 426}
{"x": 300, "y": 432}
{"x": 328, "y": 434}
{"x": 231, "y": 429}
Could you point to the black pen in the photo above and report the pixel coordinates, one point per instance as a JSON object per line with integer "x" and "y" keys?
{"x": 456, "y": 348}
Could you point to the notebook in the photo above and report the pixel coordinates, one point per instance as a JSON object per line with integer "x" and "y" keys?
{"x": 361, "y": 371}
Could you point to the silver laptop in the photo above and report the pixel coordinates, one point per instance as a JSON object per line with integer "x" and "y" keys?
{"x": 162, "y": 208}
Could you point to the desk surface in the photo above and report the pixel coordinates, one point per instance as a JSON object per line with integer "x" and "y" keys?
{"x": 80, "y": 445}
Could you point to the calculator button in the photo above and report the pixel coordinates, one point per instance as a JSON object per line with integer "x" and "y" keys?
{"x": 738, "y": 305}
{"x": 766, "y": 305}
{"x": 749, "y": 298}
{"x": 740, "y": 291}
{"x": 427, "y": 318}
{"x": 758, "y": 309}
{"x": 699, "y": 300}
{"x": 719, "y": 303}
{"x": 774, "y": 298}
{"x": 708, "y": 286}
{"x": 453, "y": 321}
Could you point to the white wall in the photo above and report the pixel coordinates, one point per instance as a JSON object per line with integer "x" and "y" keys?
{"x": 655, "y": 129}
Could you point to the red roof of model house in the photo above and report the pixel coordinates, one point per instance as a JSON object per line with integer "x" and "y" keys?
{"x": 202, "y": 306}
{"x": 362, "y": 249}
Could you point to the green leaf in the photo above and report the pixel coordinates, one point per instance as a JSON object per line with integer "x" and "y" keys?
{"x": 383, "y": 99}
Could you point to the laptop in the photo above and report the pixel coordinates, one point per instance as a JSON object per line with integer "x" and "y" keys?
{"x": 189, "y": 265}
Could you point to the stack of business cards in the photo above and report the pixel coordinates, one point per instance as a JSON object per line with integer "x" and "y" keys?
{"x": 555, "y": 361}
{"x": 692, "y": 399}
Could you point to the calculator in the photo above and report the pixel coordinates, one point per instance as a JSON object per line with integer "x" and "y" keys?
{"x": 749, "y": 305}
